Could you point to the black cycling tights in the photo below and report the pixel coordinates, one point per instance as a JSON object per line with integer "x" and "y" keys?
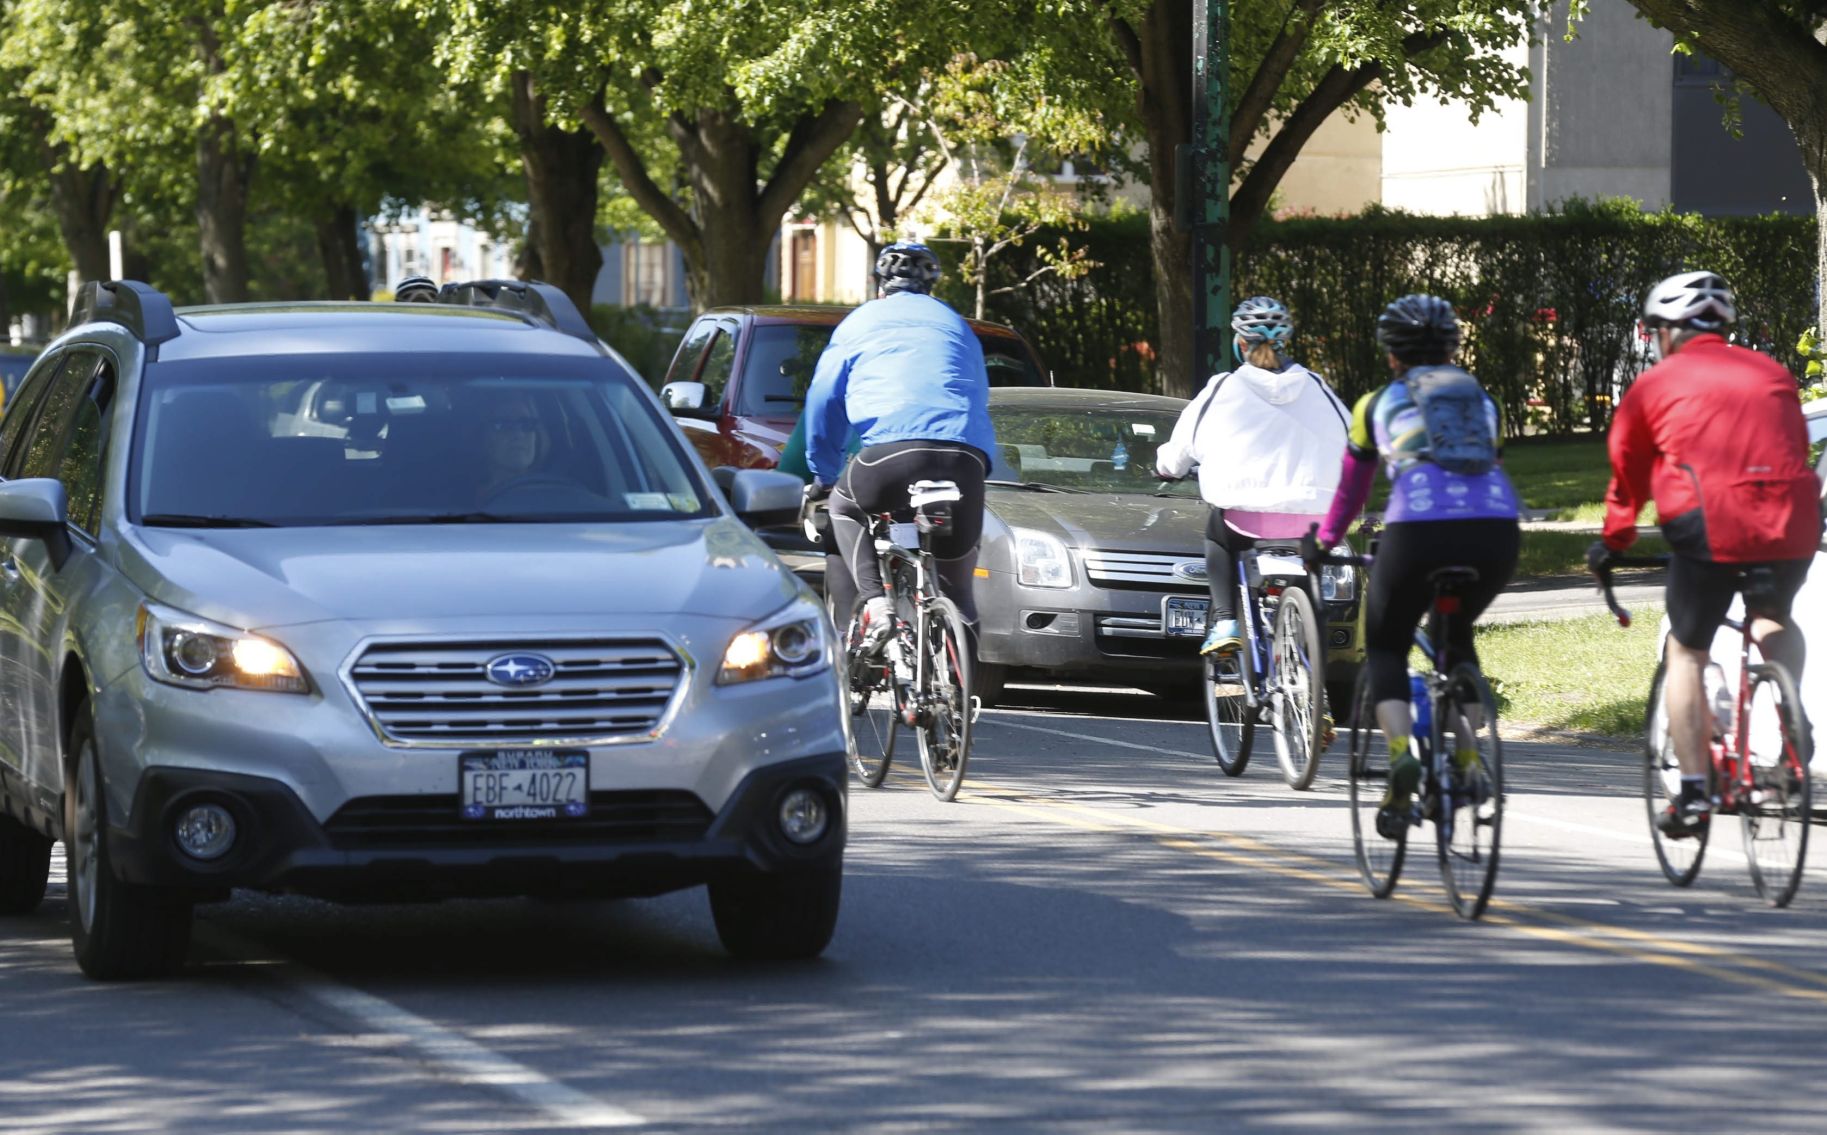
{"x": 876, "y": 481}
{"x": 1400, "y": 593}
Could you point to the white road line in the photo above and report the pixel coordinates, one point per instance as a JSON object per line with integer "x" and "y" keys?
{"x": 1101, "y": 740}
{"x": 461, "y": 1059}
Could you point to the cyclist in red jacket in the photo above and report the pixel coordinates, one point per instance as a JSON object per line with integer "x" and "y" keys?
{"x": 1714, "y": 435}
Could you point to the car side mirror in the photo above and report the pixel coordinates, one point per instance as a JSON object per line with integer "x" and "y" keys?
{"x": 37, "y": 508}
{"x": 686, "y": 399}
{"x": 764, "y": 498}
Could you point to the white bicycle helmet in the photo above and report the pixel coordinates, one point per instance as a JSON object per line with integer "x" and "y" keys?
{"x": 1700, "y": 300}
{"x": 1261, "y": 319}
{"x": 416, "y": 289}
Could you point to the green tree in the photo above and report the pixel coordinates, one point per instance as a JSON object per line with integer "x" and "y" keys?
{"x": 1775, "y": 47}
{"x": 1293, "y": 64}
{"x": 715, "y": 118}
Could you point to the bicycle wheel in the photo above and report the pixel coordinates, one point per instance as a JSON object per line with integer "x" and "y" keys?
{"x": 1297, "y": 688}
{"x": 945, "y": 726}
{"x": 1775, "y": 814}
{"x": 1231, "y": 722}
{"x": 1468, "y": 816}
{"x": 870, "y": 693}
{"x": 1680, "y": 858}
{"x": 1379, "y": 859}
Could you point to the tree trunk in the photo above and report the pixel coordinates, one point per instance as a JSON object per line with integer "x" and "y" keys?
{"x": 223, "y": 174}
{"x": 735, "y": 237}
{"x": 1161, "y": 53}
{"x": 84, "y": 203}
{"x": 562, "y": 168}
{"x": 339, "y": 245}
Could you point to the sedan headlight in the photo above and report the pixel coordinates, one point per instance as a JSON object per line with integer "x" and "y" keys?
{"x": 1338, "y": 583}
{"x": 792, "y": 644}
{"x": 181, "y": 649}
{"x": 1041, "y": 560}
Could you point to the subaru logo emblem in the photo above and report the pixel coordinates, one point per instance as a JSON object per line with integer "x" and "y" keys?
{"x": 1192, "y": 571}
{"x": 520, "y": 670}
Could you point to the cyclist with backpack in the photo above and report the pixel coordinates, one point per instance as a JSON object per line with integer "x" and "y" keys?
{"x": 1450, "y": 505}
{"x": 1266, "y": 438}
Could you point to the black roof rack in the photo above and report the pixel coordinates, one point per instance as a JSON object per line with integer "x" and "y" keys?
{"x": 540, "y": 301}
{"x": 140, "y": 308}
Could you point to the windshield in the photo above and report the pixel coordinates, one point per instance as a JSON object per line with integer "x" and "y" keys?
{"x": 1100, "y": 449}
{"x": 333, "y": 440}
{"x": 783, "y": 356}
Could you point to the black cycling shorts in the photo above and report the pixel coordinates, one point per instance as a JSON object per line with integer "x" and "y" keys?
{"x": 1700, "y": 592}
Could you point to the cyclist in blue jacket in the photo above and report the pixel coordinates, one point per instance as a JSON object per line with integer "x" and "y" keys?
{"x": 905, "y": 372}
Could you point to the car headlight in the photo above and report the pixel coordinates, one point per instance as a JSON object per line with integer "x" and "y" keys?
{"x": 1041, "y": 560}
{"x": 1338, "y": 583}
{"x": 793, "y": 644}
{"x": 181, "y": 649}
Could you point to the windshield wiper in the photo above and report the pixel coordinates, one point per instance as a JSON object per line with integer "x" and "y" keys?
{"x": 1035, "y": 486}
{"x": 434, "y": 518}
{"x": 189, "y": 520}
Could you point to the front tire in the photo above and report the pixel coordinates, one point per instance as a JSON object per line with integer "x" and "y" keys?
{"x": 1379, "y": 859}
{"x": 784, "y": 917}
{"x": 1227, "y": 715}
{"x": 875, "y": 712}
{"x": 1680, "y": 858}
{"x": 1297, "y": 688}
{"x": 120, "y": 931}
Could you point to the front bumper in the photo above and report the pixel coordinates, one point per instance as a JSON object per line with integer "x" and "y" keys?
{"x": 635, "y": 843}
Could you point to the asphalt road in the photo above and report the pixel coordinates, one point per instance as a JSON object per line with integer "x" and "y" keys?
{"x": 1102, "y": 934}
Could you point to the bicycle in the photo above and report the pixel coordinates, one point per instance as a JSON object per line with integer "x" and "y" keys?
{"x": 922, "y": 670}
{"x": 1281, "y": 677}
{"x": 1759, "y": 772}
{"x": 1463, "y": 799}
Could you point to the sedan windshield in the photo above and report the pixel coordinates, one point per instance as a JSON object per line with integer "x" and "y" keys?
{"x": 342, "y": 440}
{"x": 1100, "y": 449}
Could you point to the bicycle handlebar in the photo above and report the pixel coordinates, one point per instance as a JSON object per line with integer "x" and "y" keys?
{"x": 1313, "y": 557}
{"x": 1601, "y": 571}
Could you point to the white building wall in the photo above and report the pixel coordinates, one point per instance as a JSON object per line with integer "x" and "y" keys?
{"x": 1436, "y": 160}
{"x": 1603, "y": 109}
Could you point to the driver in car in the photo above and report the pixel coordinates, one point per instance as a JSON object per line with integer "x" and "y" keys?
{"x": 513, "y": 442}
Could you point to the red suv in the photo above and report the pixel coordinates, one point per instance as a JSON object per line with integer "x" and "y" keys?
{"x": 739, "y": 378}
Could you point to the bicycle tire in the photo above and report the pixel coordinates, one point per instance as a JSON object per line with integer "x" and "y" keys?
{"x": 1680, "y": 858}
{"x": 1468, "y": 811}
{"x": 945, "y": 718}
{"x": 1775, "y": 818}
{"x": 1297, "y": 688}
{"x": 1379, "y": 859}
{"x": 873, "y": 726}
{"x": 1227, "y": 717}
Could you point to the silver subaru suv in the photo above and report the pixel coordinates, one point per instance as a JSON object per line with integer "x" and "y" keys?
{"x": 390, "y": 601}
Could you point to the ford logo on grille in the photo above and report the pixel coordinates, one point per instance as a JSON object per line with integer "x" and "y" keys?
{"x": 1193, "y": 571}
{"x": 520, "y": 670}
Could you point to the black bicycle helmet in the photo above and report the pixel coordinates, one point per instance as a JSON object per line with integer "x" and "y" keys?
{"x": 907, "y": 266}
{"x": 416, "y": 289}
{"x": 1419, "y": 329}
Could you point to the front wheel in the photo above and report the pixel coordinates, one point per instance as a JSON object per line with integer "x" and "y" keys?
{"x": 1297, "y": 690}
{"x": 1468, "y": 821}
{"x": 119, "y": 930}
{"x": 1224, "y": 690}
{"x": 1776, "y": 813}
{"x": 1379, "y": 859}
{"x": 945, "y": 718}
{"x": 781, "y": 917}
{"x": 870, "y": 695}
{"x": 1680, "y": 858}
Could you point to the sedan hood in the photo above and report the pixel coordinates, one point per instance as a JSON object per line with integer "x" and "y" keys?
{"x": 273, "y": 577}
{"x": 1131, "y": 522}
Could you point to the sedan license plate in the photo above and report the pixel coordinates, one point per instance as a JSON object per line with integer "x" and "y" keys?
{"x": 1184, "y": 616}
{"x": 524, "y": 784}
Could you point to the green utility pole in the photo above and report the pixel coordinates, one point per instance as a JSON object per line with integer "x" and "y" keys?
{"x": 1211, "y": 210}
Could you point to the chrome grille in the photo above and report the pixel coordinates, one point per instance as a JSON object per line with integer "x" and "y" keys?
{"x": 438, "y": 693}
{"x": 1146, "y": 570}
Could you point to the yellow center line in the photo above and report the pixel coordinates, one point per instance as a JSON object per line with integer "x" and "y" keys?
{"x": 1244, "y": 851}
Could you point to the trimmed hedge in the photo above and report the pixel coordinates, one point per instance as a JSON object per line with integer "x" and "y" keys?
{"x": 1549, "y": 300}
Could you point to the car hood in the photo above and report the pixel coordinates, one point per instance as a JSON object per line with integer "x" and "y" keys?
{"x": 1133, "y": 522}
{"x": 274, "y": 577}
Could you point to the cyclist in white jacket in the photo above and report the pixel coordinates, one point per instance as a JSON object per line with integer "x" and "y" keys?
{"x": 1268, "y": 439}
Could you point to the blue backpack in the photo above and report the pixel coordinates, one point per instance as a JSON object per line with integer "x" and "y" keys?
{"x": 1453, "y": 411}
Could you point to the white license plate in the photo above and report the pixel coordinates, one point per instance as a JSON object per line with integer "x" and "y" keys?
{"x": 524, "y": 784}
{"x": 1184, "y": 616}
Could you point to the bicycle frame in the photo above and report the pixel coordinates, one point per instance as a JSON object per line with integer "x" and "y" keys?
{"x": 888, "y": 555}
{"x": 1251, "y": 601}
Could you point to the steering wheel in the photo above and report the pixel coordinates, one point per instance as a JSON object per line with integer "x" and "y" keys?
{"x": 530, "y": 481}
